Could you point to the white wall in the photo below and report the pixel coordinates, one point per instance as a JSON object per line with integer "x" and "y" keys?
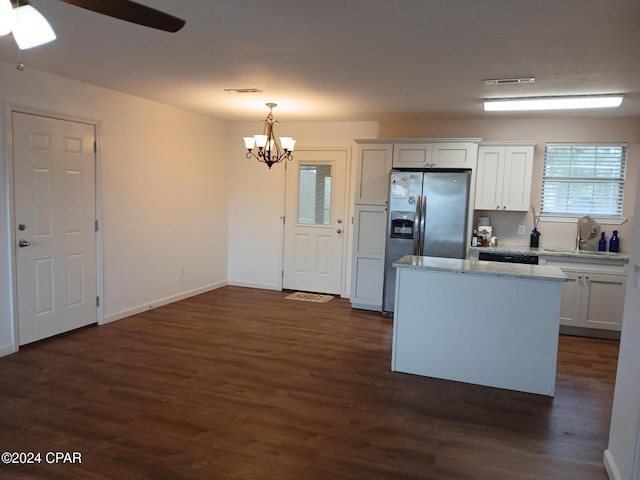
{"x": 162, "y": 190}
{"x": 541, "y": 130}
{"x": 256, "y": 204}
{"x": 622, "y": 454}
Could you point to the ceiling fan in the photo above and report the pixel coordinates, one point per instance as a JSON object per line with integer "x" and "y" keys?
{"x": 133, "y": 12}
{"x": 31, "y": 29}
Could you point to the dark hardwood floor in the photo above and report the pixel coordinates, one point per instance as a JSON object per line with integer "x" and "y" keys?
{"x": 243, "y": 384}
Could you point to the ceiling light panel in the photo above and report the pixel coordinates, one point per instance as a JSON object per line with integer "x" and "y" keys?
{"x": 552, "y": 103}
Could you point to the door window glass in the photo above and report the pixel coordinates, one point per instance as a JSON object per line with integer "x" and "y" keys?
{"x": 314, "y": 194}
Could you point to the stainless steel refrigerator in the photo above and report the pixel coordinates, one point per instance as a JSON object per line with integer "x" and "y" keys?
{"x": 427, "y": 216}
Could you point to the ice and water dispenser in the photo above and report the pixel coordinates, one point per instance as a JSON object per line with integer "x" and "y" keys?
{"x": 402, "y": 224}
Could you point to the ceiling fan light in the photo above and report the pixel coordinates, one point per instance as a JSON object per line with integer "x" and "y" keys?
{"x": 6, "y": 17}
{"x": 30, "y": 28}
{"x": 552, "y": 103}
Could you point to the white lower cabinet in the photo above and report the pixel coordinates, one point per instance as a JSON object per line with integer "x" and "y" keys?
{"x": 367, "y": 271}
{"x": 593, "y": 300}
{"x": 593, "y": 296}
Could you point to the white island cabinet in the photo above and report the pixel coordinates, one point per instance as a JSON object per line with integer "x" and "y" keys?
{"x": 487, "y": 323}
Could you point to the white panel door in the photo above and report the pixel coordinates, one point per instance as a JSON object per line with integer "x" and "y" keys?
{"x": 54, "y": 200}
{"x": 314, "y": 221}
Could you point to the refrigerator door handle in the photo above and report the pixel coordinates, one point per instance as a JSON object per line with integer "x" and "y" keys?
{"x": 423, "y": 222}
{"x": 416, "y": 227}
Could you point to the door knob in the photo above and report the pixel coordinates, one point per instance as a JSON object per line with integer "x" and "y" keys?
{"x": 23, "y": 243}
{"x": 339, "y": 230}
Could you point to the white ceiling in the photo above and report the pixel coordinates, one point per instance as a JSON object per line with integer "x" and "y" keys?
{"x": 336, "y": 60}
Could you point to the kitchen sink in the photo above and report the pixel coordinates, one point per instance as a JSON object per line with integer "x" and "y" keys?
{"x": 562, "y": 250}
{"x": 595, "y": 252}
{"x": 580, "y": 252}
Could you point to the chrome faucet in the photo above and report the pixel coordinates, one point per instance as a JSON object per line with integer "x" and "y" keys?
{"x": 594, "y": 227}
{"x": 578, "y": 236}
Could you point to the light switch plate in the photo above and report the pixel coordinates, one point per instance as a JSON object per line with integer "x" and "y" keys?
{"x": 520, "y": 229}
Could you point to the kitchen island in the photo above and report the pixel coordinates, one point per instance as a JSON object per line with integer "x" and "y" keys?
{"x": 487, "y": 323}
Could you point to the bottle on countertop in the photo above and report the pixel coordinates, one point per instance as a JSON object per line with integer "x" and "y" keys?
{"x": 535, "y": 238}
{"x": 602, "y": 244}
{"x": 614, "y": 242}
{"x": 474, "y": 239}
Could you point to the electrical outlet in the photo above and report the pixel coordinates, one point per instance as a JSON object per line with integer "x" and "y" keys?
{"x": 520, "y": 229}
{"x": 181, "y": 272}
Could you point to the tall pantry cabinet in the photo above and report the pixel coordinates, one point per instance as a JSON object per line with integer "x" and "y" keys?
{"x": 373, "y": 164}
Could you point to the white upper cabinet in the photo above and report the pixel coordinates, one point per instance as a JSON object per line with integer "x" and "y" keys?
{"x": 503, "y": 177}
{"x": 372, "y": 175}
{"x": 455, "y": 155}
{"x": 445, "y": 154}
{"x": 412, "y": 155}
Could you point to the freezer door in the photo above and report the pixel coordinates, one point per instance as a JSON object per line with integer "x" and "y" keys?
{"x": 446, "y": 204}
{"x": 405, "y": 195}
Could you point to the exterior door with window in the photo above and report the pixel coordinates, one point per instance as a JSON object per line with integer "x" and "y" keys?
{"x": 314, "y": 221}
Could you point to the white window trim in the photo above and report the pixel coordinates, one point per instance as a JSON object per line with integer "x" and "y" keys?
{"x": 574, "y": 219}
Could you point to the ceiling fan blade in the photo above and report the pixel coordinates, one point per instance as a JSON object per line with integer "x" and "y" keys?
{"x": 131, "y": 12}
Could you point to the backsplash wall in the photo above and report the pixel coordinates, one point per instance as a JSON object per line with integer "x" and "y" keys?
{"x": 542, "y": 131}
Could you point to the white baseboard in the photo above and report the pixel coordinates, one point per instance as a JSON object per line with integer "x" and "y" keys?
{"x": 263, "y": 286}
{"x": 160, "y": 302}
{"x": 7, "y": 350}
{"x": 610, "y": 466}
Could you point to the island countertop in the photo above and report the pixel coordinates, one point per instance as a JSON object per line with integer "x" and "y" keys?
{"x": 481, "y": 267}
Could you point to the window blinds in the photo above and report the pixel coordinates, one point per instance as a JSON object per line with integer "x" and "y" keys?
{"x": 584, "y": 179}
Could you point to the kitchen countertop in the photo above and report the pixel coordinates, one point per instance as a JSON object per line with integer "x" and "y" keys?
{"x": 555, "y": 252}
{"x": 479, "y": 267}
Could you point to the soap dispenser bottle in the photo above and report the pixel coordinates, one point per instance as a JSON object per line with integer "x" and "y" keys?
{"x": 602, "y": 244}
{"x": 614, "y": 243}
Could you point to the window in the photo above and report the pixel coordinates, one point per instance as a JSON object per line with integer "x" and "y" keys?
{"x": 314, "y": 195}
{"x": 583, "y": 179}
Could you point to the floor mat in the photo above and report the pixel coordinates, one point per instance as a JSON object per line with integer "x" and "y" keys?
{"x": 309, "y": 297}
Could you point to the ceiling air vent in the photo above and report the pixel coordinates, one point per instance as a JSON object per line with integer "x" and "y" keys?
{"x": 509, "y": 81}
{"x": 242, "y": 90}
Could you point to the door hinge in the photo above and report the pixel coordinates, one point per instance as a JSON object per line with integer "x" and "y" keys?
{"x": 96, "y": 225}
{"x": 97, "y": 301}
{"x": 95, "y": 147}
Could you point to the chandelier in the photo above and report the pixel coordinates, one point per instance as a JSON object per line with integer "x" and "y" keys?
{"x": 270, "y": 150}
